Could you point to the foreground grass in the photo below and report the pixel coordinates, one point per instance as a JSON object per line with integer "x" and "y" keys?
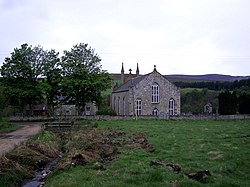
{"x": 222, "y": 147}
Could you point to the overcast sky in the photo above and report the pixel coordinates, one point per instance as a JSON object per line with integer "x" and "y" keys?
{"x": 178, "y": 36}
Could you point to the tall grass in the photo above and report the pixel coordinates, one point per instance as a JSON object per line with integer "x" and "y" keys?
{"x": 19, "y": 164}
{"x": 222, "y": 147}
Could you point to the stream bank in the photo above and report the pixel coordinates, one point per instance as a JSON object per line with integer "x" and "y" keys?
{"x": 80, "y": 146}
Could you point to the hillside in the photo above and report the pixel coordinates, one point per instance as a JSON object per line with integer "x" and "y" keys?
{"x": 196, "y": 78}
{"x": 208, "y": 77}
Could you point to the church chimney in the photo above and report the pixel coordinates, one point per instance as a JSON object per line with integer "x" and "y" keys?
{"x": 122, "y": 75}
{"x": 137, "y": 70}
{"x": 130, "y": 76}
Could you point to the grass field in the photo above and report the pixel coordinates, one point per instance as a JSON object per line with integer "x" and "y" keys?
{"x": 6, "y": 126}
{"x": 222, "y": 147}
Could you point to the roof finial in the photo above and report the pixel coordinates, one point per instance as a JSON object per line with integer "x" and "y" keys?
{"x": 137, "y": 70}
{"x": 122, "y": 75}
{"x": 154, "y": 67}
{"x": 122, "y": 70}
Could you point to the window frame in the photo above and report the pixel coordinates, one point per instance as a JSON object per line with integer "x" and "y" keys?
{"x": 155, "y": 94}
{"x": 155, "y": 112}
{"x": 138, "y": 107}
{"x": 171, "y": 107}
{"x": 124, "y": 106}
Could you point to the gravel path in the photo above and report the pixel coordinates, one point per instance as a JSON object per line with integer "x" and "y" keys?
{"x": 9, "y": 140}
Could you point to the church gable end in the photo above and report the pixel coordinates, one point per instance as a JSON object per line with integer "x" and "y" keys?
{"x": 155, "y": 93}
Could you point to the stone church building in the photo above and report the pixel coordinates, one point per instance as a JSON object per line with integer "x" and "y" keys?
{"x": 150, "y": 94}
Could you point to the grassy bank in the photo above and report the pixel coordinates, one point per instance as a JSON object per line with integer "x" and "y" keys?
{"x": 20, "y": 164}
{"x": 7, "y": 126}
{"x": 222, "y": 147}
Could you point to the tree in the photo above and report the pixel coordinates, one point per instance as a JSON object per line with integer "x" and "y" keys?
{"x": 51, "y": 79}
{"x": 193, "y": 100}
{"x": 2, "y": 100}
{"x": 244, "y": 103}
{"x": 227, "y": 103}
{"x": 83, "y": 80}
{"x": 20, "y": 76}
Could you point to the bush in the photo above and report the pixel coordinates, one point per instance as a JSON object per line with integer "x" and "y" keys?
{"x": 106, "y": 111}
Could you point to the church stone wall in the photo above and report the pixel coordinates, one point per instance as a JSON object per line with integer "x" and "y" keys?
{"x": 120, "y": 103}
{"x": 167, "y": 90}
{"x": 124, "y": 103}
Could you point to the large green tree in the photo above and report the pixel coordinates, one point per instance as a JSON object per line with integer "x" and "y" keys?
{"x": 51, "y": 79}
{"x": 2, "y": 99}
{"x": 194, "y": 100}
{"x": 20, "y": 74}
{"x": 83, "y": 77}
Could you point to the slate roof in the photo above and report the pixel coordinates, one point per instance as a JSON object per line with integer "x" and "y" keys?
{"x": 129, "y": 83}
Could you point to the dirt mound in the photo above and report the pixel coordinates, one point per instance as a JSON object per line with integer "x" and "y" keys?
{"x": 139, "y": 140}
{"x": 101, "y": 145}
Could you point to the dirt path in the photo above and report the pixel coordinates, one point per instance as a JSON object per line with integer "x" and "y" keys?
{"x": 9, "y": 140}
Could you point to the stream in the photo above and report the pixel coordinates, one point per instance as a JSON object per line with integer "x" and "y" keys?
{"x": 38, "y": 180}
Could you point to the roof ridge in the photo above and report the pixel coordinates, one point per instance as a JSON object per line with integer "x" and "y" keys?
{"x": 129, "y": 83}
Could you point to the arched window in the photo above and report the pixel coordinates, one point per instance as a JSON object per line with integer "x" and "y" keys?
{"x": 171, "y": 107}
{"x": 118, "y": 106}
{"x": 155, "y": 112}
{"x": 155, "y": 93}
{"x": 124, "y": 107}
{"x": 138, "y": 107}
{"x": 114, "y": 104}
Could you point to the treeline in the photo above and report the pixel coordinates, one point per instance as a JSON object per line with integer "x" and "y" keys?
{"x": 215, "y": 85}
{"x": 194, "y": 100}
{"x": 225, "y": 97}
{"x": 32, "y": 75}
{"x": 234, "y": 102}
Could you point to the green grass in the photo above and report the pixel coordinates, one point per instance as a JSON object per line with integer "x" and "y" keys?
{"x": 7, "y": 126}
{"x": 222, "y": 147}
{"x": 189, "y": 90}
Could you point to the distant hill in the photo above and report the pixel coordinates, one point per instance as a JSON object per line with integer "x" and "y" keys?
{"x": 196, "y": 78}
{"x": 206, "y": 77}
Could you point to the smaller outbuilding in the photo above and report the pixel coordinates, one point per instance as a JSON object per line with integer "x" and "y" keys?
{"x": 208, "y": 109}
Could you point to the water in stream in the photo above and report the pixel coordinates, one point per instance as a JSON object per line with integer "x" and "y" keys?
{"x": 37, "y": 181}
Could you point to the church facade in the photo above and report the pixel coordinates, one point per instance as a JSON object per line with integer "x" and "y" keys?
{"x": 144, "y": 95}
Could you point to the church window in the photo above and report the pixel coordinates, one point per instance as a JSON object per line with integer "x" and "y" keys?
{"x": 155, "y": 112}
{"x": 138, "y": 107}
{"x": 124, "y": 106}
{"x": 118, "y": 106}
{"x": 171, "y": 107}
{"x": 155, "y": 93}
{"x": 114, "y": 103}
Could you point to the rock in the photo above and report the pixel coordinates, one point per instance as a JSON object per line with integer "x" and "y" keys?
{"x": 78, "y": 160}
{"x": 199, "y": 176}
{"x": 41, "y": 184}
{"x": 41, "y": 163}
{"x": 174, "y": 167}
{"x": 98, "y": 166}
{"x": 150, "y": 148}
{"x": 156, "y": 163}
